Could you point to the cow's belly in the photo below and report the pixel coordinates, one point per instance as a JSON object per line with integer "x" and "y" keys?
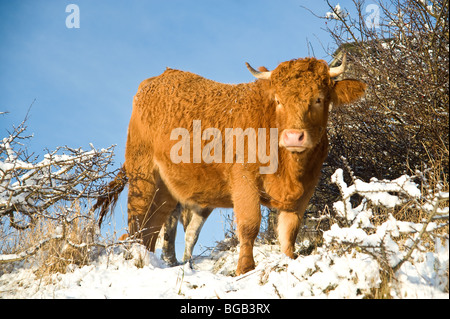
{"x": 197, "y": 184}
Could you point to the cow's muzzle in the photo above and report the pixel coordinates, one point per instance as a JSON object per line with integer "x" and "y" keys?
{"x": 295, "y": 140}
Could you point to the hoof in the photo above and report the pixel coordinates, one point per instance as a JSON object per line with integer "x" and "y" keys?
{"x": 242, "y": 269}
{"x": 170, "y": 261}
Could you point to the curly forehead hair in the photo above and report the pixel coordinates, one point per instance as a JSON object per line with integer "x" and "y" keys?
{"x": 303, "y": 71}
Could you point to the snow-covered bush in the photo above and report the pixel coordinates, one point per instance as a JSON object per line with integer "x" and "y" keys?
{"x": 393, "y": 243}
{"x": 402, "y": 123}
{"x": 51, "y": 190}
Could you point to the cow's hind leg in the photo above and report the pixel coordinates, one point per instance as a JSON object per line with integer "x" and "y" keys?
{"x": 149, "y": 205}
{"x": 170, "y": 233}
{"x": 193, "y": 221}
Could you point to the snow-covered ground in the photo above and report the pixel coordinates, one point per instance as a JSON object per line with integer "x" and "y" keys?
{"x": 356, "y": 256}
{"x": 323, "y": 274}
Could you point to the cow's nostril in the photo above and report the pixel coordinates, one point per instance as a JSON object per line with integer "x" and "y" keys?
{"x": 301, "y": 136}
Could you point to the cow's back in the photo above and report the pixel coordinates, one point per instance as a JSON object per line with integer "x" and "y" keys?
{"x": 174, "y": 100}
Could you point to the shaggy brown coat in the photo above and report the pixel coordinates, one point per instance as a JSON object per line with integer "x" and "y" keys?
{"x": 295, "y": 99}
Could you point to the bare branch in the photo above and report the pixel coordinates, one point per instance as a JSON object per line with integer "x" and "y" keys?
{"x": 31, "y": 190}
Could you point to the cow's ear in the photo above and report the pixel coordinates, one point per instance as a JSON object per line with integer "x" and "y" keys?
{"x": 347, "y": 91}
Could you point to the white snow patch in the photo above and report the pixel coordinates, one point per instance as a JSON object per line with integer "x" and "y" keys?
{"x": 324, "y": 274}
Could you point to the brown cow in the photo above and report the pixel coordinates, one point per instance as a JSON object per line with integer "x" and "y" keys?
{"x": 294, "y": 98}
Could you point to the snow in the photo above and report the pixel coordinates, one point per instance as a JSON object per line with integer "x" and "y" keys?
{"x": 323, "y": 274}
{"x": 337, "y": 13}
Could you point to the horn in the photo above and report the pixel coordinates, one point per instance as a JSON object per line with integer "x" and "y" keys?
{"x": 336, "y": 71}
{"x": 258, "y": 74}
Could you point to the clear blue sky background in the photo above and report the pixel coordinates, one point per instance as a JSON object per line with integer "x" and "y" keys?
{"x": 84, "y": 79}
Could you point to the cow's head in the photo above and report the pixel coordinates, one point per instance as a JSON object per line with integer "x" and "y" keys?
{"x": 302, "y": 92}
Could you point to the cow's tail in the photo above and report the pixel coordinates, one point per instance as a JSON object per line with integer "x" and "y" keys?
{"x": 108, "y": 199}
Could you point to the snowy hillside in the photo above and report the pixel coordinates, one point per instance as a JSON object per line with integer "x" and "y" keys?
{"x": 358, "y": 257}
{"x": 323, "y": 274}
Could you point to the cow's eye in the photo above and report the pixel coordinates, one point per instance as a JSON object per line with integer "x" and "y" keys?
{"x": 319, "y": 100}
{"x": 278, "y": 102}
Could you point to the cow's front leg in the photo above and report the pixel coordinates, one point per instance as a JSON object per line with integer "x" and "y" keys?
{"x": 248, "y": 218}
{"x": 288, "y": 226}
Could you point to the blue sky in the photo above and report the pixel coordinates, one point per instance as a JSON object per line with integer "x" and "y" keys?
{"x": 83, "y": 80}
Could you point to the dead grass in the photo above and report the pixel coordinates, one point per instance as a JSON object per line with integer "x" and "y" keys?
{"x": 62, "y": 238}
{"x": 59, "y": 255}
